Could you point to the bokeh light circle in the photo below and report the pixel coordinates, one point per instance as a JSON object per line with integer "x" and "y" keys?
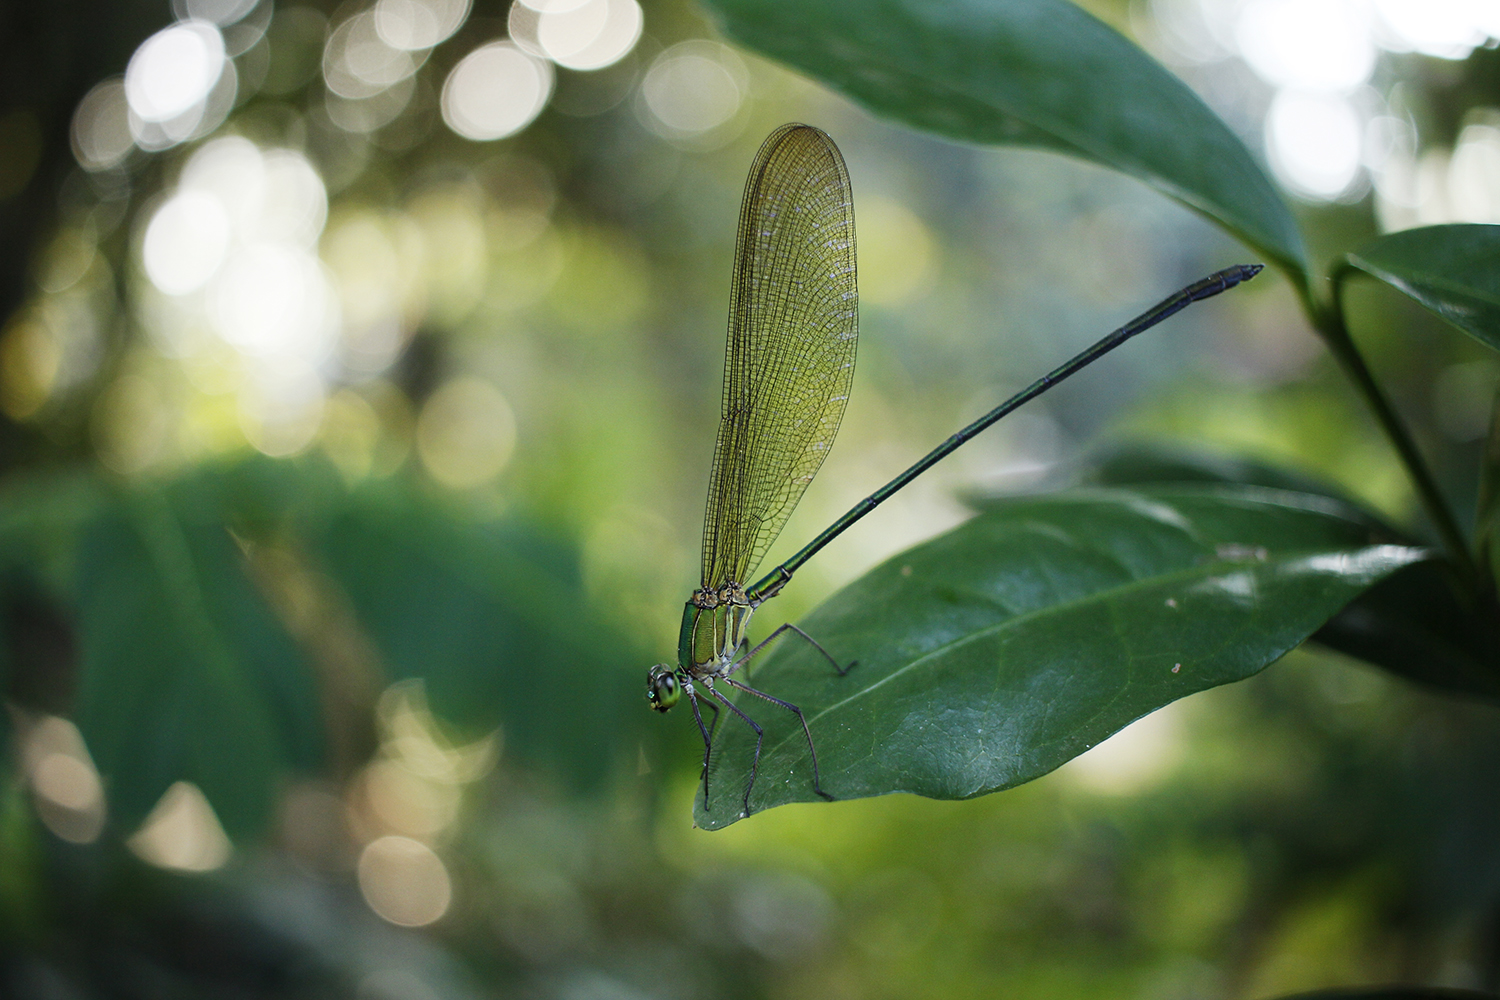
{"x": 418, "y": 24}
{"x": 692, "y": 87}
{"x": 495, "y": 91}
{"x": 897, "y": 253}
{"x": 552, "y": 6}
{"x": 174, "y": 70}
{"x": 404, "y": 881}
{"x": 274, "y": 194}
{"x": 281, "y": 406}
{"x": 1447, "y": 29}
{"x": 295, "y": 204}
{"x": 591, "y": 36}
{"x": 274, "y": 300}
{"x": 563, "y": 33}
{"x": 358, "y": 63}
{"x": 1308, "y": 44}
{"x": 101, "y": 126}
{"x": 1474, "y": 175}
{"x": 1314, "y": 142}
{"x": 466, "y": 433}
{"x": 69, "y": 793}
{"x": 220, "y": 12}
{"x": 185, "y": 242}
{"x": 198, "y": 120}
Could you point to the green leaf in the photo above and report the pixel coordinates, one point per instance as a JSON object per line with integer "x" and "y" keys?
{"x": 494, "y": 620}
{"x": 1136, "y": 464}
{"x": 1028, "y": 72}
{"x": 40, "y": 518}
{"x": 186, "y": 674}
{"x": 1452, "y": 270}
{"x": 1000, "y": 650}
{"x": 1487, "y": 508}
{"x": 1415, "y": 623}
{"x": 41, "y": 515}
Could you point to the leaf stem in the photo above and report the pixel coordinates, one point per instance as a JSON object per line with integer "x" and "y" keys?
{"x": 1328, "y": 319}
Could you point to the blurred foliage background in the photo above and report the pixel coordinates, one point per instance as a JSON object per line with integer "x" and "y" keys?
{"x": 358, "y": 379}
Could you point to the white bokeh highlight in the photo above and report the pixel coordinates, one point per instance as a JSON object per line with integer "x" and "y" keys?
{"x": 694, "y": 87}
{"x": 495, "y": 91}
{"x": 358, "y": 63}
{"x": 1447, "y": 29}
{"x": 274, "y": 300}
{"x": 174, "y": 70}
{"x": 232, "y": 255}
{"x": 1321, "y": 45}
{"x": 101, "y": 127}
{"x": 411, "y": 25}
{"x": 589, "y": 35}
{"x": 1314, "y": 142}
{"x": 186, "y": 241}
{"x": 1320, "y": 57}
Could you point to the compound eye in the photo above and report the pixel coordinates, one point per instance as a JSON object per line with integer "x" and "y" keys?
{"x": 662, "y": 688}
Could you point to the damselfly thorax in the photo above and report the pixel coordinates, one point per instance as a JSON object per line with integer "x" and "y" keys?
{"x": 715, "y": 629}
{"x": 712, "y": 645}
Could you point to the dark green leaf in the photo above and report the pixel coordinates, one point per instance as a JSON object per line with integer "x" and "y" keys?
{"x": 40, "y": 519}
{"x": 1139, "y": 464}
{"x": 1452, "y": 270}
{"x": 494, "y": 620}
{"x": 6, "y": 657}
{"x": 1028, "y": 72}
{"x": 186, "y": 675}
{"x": 1487, "y": 509}
{"x": 1414, "y": 623}
{"x": 993, "y": 654}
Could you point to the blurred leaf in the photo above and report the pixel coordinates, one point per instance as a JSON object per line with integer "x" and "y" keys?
{"x": 24, "y": 897}
{"x": 6, "y": 658}
{"x": 1487, "y": 508}
{"x": 186, "y": 674}
{"x": 494, "y": 619}
{"x": 1029, "y": 72}
{"x": 1452, "y": 270}
{"x": 1135, "y": 464}
{"x": 1393, "y": 993}
{"x": 1414, "y": 623}
{"x": 1000, "y": 650}
{"x": 262, "y": 495}
{"x": 40, "y": 519}
{"x": 41, "y": 515}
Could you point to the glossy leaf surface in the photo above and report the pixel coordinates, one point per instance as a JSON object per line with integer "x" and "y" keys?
{"x": 1000, "y": 650}
{"x": 1413, "y": 623}
{"x": 1028, "y": 72}
{"x": 1452, "y": 270}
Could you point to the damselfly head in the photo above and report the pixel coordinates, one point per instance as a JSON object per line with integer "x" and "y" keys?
{"x": 662, "y": 687}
